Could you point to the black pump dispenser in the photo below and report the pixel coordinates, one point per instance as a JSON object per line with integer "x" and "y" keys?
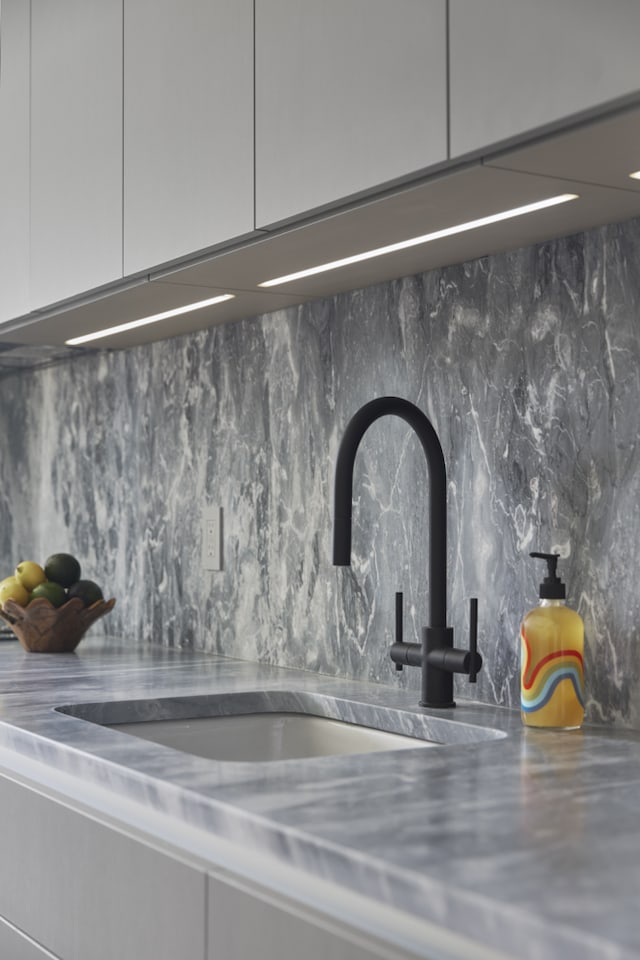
{"x": 552, "y": 587}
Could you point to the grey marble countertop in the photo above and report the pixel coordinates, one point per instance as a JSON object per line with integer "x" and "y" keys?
{"x": 529, "y": 844}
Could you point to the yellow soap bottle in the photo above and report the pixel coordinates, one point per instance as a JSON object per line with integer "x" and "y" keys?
{"x": 552, "y": 658}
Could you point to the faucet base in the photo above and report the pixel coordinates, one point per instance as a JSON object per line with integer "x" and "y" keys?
{"x": 438, "y": 706}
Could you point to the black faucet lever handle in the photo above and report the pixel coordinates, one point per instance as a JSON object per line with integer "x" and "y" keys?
{"x": 399, "y": 628}
{"x": 473, "y": 640}
{"x": 404, "y": 654}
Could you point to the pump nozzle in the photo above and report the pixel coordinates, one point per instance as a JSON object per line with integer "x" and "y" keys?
{"x": 552, "y": 588}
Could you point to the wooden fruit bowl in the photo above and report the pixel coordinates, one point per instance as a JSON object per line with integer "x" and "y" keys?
{"x": 43, "y": 628}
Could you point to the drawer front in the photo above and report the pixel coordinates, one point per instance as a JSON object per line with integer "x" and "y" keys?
{"x": 85, "y": 890}
{"x": 14, "y": 945}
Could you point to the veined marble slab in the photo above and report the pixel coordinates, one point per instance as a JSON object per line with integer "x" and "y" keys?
{"x": 528, "y": 364}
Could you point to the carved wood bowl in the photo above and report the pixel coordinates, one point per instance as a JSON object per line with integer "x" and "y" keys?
{"x": 42, "y": 628}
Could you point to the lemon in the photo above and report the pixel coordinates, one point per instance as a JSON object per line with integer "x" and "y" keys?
{"x": 12, "y": 589}
{"x": 29, "y": 574}
{"x": 62, "y": 568}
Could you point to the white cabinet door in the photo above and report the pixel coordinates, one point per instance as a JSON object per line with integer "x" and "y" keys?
{"x": 244, "y": 922}
{"x": 14, "y": 159}
{"x": 188, "y": 127}
{"x": 349, "y": 95}
{"x": 15, "y": 946}
{"x": 76, "y": 147}
{"x": 517, "y": 65}
{"x": 84, "y": 890}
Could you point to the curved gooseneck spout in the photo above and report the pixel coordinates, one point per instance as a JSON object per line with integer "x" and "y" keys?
{"x": 428, "y": 437}
{"x": 436, "y": 655}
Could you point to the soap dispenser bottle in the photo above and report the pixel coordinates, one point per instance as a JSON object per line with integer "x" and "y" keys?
{"x": 552, "y": 652}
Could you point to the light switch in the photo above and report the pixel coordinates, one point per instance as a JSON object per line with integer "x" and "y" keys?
{"x": 212, "y": 538}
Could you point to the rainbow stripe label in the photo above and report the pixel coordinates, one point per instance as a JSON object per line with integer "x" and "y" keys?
{"x": 540, "y": 680}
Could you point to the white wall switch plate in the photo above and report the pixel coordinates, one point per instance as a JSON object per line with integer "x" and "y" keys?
{"x": 212, "y": 538}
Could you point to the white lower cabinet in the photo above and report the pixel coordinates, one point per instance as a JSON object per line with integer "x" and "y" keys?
{"x": 76, "y": 887}
{"x": 14, "y": 945}
{"x": 246, "y": 921}
{"x": 86, "y": 891}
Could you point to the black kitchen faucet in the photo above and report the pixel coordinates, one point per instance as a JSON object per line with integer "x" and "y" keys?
{"x": 436, "y": 655}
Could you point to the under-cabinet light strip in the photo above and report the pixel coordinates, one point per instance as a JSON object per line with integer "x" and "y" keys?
{"x": 132, "y": 324}
{"x": 425, "y": 238}
{"x": 635, "y": 175}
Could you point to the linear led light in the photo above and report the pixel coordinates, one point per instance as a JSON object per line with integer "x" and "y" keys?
{"x": 635, "y": 175}
{"x": 132, "y": 324}
{"x": 425, "y": 238}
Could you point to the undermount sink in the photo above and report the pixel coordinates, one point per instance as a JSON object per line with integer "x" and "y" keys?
{"x": 268, "y": 726}
{"x": 262, "y": 737}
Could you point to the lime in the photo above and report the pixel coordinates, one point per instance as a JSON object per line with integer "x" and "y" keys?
{"x": 87, "y": 590}
{"x": 53, "y": 592}
{"x": 12, "y": 589}
{"x": 62, "y": 568}
{"x": 29, "y": 574}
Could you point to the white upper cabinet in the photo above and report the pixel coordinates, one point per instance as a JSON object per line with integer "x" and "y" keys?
{"x": 76, "y": 147}
{"x": 14, "y": 159}
{"x": 188, "y": 127}
{"x": 349, "y": 95}
{"x": 260, "y": 137}
{"x": 517, "y": 65}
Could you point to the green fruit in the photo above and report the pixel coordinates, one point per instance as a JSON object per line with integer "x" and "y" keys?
{"x": 62, "y": 568}
{"x": 88, "y": 591}
{"x": 51, "y": 591}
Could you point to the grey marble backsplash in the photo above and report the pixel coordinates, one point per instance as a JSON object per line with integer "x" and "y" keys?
{"x": 528, "y": 364}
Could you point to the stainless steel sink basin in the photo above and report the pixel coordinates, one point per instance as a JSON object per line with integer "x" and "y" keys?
{"x": 267, "y": 726}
